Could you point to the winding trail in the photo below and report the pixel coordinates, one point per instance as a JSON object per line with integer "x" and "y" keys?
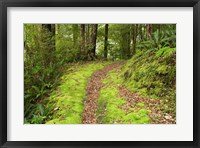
{"x": 93, "y": 88}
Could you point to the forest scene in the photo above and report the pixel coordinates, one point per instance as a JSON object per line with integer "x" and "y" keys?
{"x": 99, "y": 74}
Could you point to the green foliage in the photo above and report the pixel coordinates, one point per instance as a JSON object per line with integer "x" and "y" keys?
{"x": 166, "y": 52}
{"x": 43, "y": 61}
{"x": 40, "y": 69}
{"x": 37, "y": 119}
{"x": 152, "y": 73}
{"x": 118, "y": 41}
{"x": 67, "y": 42}
{"x": 160, "y": 38}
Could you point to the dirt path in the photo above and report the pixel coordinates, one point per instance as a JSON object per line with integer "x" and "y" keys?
{"x": 93, "y": 88}
{"x": 156, "y": 107}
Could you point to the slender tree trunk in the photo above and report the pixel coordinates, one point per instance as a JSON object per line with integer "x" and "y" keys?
{"x": 82, "y": 48}
{"x": 94, "y": 38}
{"x": 106, "y": 42}
{"x": 88, "y": 41}
{"x": 87, "y": 38}
{"x": 149, "y": 31}
{"x": 75, "y": 35}
{"x": 125, "y": 41}
{"x": 53, "y": 29}
{"x": 129, "y": 42}
{"x": 141, "y": 32}
{"x": 134, "y": 37}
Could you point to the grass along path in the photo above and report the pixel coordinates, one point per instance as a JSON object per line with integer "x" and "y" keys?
{"x": 110, "y": 104}
{"x": 114, "y": 106}
{"x": 67, "y": 102}
{"x": 93, "y": 88}
{"x": 117, "y": 105}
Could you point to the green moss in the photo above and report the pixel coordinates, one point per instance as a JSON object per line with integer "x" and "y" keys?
{"x": 152, "y": 73}
{"x": 69, "y": 97}
{"x": 137, "y": 118}
{"x": 140, "y": 104}
{"x": 109, "y": 104}
{"x": 54, "y": 121}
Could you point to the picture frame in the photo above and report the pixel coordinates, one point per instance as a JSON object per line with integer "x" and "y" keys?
{"x": 99, "y": 3}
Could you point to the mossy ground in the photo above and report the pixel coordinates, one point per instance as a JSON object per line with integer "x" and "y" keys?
{"x": 68, "y": 99}
{"x": 149, "y": 74}
{"x": 110, "y": 104}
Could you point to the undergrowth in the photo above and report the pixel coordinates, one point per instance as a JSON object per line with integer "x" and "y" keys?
{"x": 152, "y": 73}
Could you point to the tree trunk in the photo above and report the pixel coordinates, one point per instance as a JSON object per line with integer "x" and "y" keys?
{"x": 87, "y": 38}
{"x": 128, "y": 42}
{"x": 125, "y": 41}
{"x": 106, "y": 42}
{"x": 51, "y": 30}
{"x": 93, "y": 41}
{"x": 48, "y": 39}
{"x": 141, "y": 32}
{"x": 75, "y": 35}
{"x": 149, "y": 31}
{"x": 82, "y": 49}
{"x": 134, "y": 37}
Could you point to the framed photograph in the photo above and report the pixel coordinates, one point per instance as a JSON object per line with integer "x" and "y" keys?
{"x": 99, "y": 73}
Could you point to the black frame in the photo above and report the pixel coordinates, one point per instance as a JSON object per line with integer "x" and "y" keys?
{"x": 99, "y": 3}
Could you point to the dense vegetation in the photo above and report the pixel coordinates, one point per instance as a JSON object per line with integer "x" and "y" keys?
{"x": 130, "y": 67}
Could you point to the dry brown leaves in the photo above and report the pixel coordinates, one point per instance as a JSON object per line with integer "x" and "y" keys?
{"x": 157, "y": 115}
{"x": 93, "y": 88}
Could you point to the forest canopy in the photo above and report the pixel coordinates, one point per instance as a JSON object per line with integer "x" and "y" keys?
{"x": 64, "y": 64}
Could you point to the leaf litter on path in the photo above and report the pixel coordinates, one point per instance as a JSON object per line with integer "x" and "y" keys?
{"x": 93, "y": 88}
{"x": 155, "y": 106}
